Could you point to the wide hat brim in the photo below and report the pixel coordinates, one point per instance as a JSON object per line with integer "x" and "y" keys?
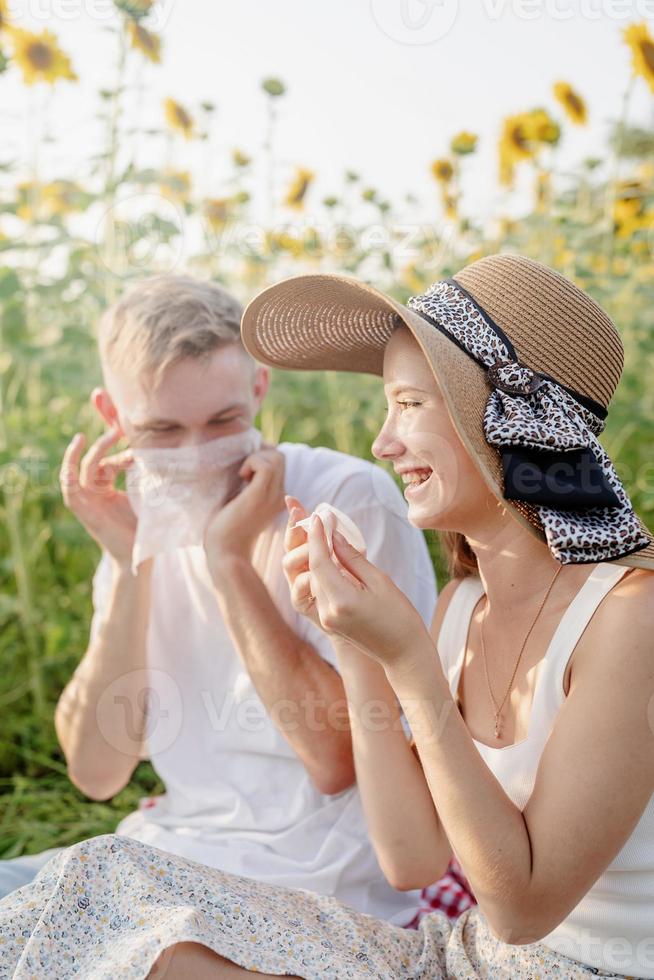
{"x": 330, "y": 322}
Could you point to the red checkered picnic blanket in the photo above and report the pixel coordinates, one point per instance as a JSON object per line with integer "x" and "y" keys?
{"x": 452, "y": 895}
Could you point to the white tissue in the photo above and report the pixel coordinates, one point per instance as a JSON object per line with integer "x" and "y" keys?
{"x": 173, "y": 492}
{"x": 334, "y": 519}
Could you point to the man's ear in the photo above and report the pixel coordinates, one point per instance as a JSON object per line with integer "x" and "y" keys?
{"x": 261, "y": 384}
{"x": 103, "y": 404}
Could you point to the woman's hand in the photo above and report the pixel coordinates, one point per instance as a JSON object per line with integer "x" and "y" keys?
{"x": 296, "y": 562}
{"x": 361, "y": 603}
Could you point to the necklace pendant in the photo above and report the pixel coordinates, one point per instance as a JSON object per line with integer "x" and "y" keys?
{"x": 497, "y": 728}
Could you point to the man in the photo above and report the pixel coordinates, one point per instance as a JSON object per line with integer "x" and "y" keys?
{"x": 196, "y": 658}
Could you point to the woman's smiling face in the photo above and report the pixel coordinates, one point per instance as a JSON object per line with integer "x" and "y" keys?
{"x": 444, "y": 488}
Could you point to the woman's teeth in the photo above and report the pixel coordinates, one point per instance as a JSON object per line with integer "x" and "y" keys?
{"x": 414, "y": 478}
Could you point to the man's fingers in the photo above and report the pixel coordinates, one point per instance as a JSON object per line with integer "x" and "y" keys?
{"x": 263, "y": 459}
{"x": 111, "y": 466}
{"x": 69, "y": 472}
{"x": 97, "y": 451}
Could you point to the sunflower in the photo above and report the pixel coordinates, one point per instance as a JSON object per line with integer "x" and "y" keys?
{"x": 463, "y": 143}
{"x": 145, "y": 41}
{"x": 28, "y": 200}
{"x": 240, "y": 159}
{"x": 176, "y": 185}
{"x": 39, "y": 57}
{"x": 506, "y": 170}
{"x": 539, "y": 127}
{"x": 217, "y": 212}
{"x": 514, "y": 140}
{"x": 543, "y": 191}
{"x": 412, "y": 279}
{"x": 179, "y": 118}
{"x": 641, "y": 43}
{"x": 136, "y": 9}
{"x": 62, "y": 197}
{"x": 442, "y": 170}
{"x": 450, "y": 206}
{"x": 298, "y": 188}
{"x": 4, "y": 15}
{"x": 629, "y": 208}
{"x": 572, "y": 102}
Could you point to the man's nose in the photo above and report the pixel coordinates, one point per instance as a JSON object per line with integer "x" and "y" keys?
{"x": 194, "y": 439}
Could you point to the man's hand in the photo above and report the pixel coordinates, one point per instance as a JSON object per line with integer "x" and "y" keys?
{"x": 234, "y": 528}
{"x": 89, "y": 492}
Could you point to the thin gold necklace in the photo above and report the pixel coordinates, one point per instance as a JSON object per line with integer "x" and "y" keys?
{"x": 497, "y": 710}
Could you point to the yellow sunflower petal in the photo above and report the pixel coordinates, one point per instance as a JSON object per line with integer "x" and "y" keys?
{"x": 145, "y": 41}
{"x": 179, "y": 118}
{"x": 442, "y": 170}
{"x": 641, "y": 43}
{"x": 39, "y": 57}
{"x": 572, "y": 102}
{"x": 298, "y": 188}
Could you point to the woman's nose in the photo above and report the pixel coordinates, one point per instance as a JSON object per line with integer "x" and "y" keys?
{"x": 386, "y": 445}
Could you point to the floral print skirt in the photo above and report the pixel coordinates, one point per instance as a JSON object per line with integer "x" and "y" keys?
{"x": 109, "y": 906}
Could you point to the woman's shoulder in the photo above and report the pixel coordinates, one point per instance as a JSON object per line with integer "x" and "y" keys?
{"x": 633, "y": 594}
{"x": 621, "y": 631}
{"x": 445, "y": 596}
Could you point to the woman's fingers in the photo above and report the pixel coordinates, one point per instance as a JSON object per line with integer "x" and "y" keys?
{"x": 292, "y": 503}
{"x": 294, "y": 536}
{"x": 327, "y": 576}
{"x": 301, "y": 595}
{"x": 296, "y": 561}
{"x": 352, "y": 560}
{"x": 91, "y": 461}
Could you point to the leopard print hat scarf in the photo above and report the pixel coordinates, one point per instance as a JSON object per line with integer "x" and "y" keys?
{"x": 546, "y": 435}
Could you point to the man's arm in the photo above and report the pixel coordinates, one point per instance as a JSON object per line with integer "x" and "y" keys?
{"x": 303, "y": 694}
{"x": 100, "y": 716}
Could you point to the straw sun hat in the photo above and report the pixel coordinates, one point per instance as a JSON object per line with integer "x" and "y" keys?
{"x": 527, "y": 363}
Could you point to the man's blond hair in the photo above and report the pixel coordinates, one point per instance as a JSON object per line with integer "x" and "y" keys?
{"x": 165, "y": 319}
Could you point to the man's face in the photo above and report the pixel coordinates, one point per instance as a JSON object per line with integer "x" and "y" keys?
{"x": 198, "y": 399}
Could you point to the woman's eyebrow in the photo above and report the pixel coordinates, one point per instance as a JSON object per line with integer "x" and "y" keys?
{"x": 397, "y": 386}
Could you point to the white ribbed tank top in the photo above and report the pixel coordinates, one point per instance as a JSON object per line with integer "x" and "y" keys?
{"x": 612, "y": 928}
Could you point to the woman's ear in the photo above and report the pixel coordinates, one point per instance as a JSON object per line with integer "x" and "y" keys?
{"x": 103, "y": 404}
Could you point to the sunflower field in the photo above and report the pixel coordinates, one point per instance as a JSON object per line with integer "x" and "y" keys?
{"x": 72, "y": 244}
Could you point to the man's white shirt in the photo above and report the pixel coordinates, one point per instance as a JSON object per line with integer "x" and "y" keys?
{"x": 237, "y": 796}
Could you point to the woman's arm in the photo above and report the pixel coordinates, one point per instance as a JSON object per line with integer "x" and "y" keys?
{"x": 528, "y": 869}
{"x": 411, "y": 845}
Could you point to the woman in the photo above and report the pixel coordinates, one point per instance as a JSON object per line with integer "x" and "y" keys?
{"x": 530, "y": 701}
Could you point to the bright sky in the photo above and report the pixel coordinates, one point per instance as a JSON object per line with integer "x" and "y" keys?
{"x": 378, "y": 86}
